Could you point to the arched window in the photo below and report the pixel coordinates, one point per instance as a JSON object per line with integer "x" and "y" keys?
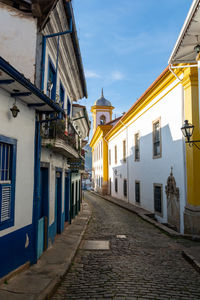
{"x": 102, "y": 120}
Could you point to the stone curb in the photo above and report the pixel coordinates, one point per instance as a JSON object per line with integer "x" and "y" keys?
{"x": 51, "y": 267}
{"x": 191, "y": 260}
{"x": 144, "y": 216}
{"x": 54, "y": 283}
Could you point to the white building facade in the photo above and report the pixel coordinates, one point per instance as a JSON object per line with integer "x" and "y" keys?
{"x": 145, "y": 150}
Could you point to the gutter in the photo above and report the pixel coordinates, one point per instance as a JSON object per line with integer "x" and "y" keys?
{"x": 184, "y": 28}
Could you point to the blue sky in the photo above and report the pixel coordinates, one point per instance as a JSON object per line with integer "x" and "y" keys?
{"x": 125, "y": 45}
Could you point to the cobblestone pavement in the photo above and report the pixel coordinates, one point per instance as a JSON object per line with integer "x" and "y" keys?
{"x": 147, "y": 264}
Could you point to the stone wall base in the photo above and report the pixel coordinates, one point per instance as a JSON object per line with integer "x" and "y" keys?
{"x": 192, "y": 220}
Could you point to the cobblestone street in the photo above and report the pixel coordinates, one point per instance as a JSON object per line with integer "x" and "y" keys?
{"x": 143, "y": 264}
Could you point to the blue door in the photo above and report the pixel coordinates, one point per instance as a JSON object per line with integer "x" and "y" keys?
{"x": 59, "y": 201}
{"x": 67, "y": 197}
{"x": 43, "y": 212}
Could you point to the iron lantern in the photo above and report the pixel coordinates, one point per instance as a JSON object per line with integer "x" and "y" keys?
{"x": 15, "y": 110}
{"x": 187, "y": 130}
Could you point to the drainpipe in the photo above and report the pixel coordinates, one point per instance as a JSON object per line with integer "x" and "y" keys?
{"x": 44, "y": 41}
{"x": 127, "y": 168}
{"x": 36, "y": 187}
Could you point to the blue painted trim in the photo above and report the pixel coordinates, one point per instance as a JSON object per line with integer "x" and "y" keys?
{"x": 44, "y": 41}
{"x": 59, "y": 169}
{"x": 13, "y": 251}
{"x": 35, "y": 104}
{"x": 43, "y": 61}
{"x": 7, "y": 81}
{"x": 36, "y": 187}
{"x": 13, "y": 142}
{"x": 61, "y": 33}
{"x": 58, "y": 45}
{"x": 7, "y": 68}
{"x": 13, "y": 95}
{"x": 50, "y": 63}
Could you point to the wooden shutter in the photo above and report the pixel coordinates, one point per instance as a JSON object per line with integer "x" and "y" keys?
{"x": 5, "y": 202}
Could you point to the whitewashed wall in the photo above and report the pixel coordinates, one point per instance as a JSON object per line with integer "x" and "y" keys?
{"x": 148, "y": 170}
{"x": 55, "y": 161}
{"x": 13, "y": 128}
{"x": 98, "y": 165}
{"x": 18, "y": 40}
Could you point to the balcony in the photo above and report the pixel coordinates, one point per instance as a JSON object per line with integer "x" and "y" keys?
{"x": 56, "y": 138}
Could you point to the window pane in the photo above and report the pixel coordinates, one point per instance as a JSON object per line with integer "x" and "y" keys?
{"x": 137, "y": 192}
{"x": 157, "y": 199}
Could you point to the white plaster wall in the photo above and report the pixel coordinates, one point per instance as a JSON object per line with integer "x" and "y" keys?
{"x": 18, "y": 40}
{"x": 22, "y": 129}
{"x": 99, "y": 113}
{"x": 149, "y": 170}
{"x": 55, "y": 161}
{"x": 120, "y": 168}
{"x": 98, "y": 165}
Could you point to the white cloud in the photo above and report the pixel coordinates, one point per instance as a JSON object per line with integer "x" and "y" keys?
{"x": 91, "y": 74}
{"x": 117, "y": 75}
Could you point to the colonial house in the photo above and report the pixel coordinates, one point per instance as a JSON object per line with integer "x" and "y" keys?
{"x": 148, "y": 163}
{"x": 50, "y": 126}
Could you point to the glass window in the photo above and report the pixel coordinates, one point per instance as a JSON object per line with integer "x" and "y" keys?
{"x": 51, "y": 82}
{"x": 109, "y": 153}
{"x": 137, "y": 147}
{"x": 68, "y": 106}
{"x": 125, "y": 187}
{"x": 7, "y": 181}
{"x": 158, "y": 198}
{"x": 124, "y": 151}
{"x": 156, "y": 139}
{"x": 116, "y": 185}
{"x": 137, "y": 192}
{"x": 62, "y": 95}
{"x": 115, "y": 154}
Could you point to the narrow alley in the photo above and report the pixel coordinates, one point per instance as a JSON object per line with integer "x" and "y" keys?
{"x": 135, "y": 260}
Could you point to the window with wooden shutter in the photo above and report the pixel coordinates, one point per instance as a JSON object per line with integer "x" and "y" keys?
{"x": 7, "y": 181}
{"x": 137, "y": 192}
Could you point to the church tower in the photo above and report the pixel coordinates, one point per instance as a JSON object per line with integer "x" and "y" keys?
{"x": 101, "y": 112}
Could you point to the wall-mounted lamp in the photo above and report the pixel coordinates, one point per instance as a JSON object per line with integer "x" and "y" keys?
{"x": 187, "y": 131}
{"x": 197, "y": 48}
{"x": 15, "y": 110}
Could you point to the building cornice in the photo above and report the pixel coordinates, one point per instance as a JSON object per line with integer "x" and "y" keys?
{"x": 160, "y": 84}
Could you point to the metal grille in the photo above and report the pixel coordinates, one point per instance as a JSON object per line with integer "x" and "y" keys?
{"x": 5, "y": 153}
{"x": 5, "y": 203}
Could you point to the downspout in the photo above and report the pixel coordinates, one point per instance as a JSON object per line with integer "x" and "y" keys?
{"x": 36, "y": 193}
{"x": 44, "y": 41}
{"x": 127, "y": 168}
